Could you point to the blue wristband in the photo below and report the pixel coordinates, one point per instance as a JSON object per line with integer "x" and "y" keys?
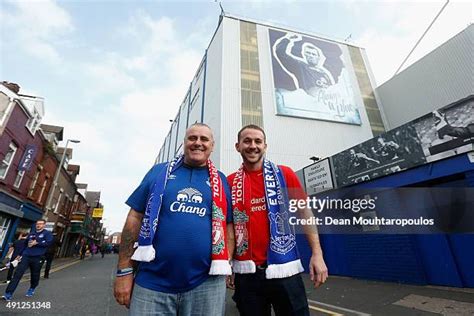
{"x": 125, "y": 271}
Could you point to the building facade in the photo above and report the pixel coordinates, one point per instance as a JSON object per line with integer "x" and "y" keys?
{"x": 29, "y": 160}
{"x": 442, "y": 77}
{"x": 21, "y": 153}
{"x": 422, "y": 167}
{"x": 282, "y": 80}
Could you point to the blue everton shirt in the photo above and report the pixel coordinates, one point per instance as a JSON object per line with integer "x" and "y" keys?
{"x": 44, "y": 239}
{"x": 183, "y": 238}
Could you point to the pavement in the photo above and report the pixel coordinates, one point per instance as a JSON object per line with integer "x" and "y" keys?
{"x": 348, "y": 296}
{"x": 85, "y": 288}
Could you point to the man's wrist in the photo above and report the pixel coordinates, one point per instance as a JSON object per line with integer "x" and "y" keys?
{"x": 317, "y": 251}
{"x": 124, "y": 272}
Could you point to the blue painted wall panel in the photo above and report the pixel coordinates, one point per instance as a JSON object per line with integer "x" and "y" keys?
{"x": 462, "y": 249}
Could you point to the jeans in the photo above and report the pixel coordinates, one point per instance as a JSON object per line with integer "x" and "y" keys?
{"x": 206, "y": 299}
{"x": 26, "y": 262}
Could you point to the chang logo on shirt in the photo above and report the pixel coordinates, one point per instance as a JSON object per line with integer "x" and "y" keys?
{"x": 184, "y": 198}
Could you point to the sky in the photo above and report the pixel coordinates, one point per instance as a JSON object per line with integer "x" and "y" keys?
{"x": 113, "y": 73}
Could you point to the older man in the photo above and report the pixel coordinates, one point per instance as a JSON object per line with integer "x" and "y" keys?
{"x": 179, "y": 215}
{"x": 266, "y": 263}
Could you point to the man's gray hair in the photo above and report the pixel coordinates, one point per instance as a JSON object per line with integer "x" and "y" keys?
{"x": 199, "y": 125}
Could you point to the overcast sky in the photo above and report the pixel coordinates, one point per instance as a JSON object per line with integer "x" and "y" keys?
{"x": 114, "y": 72}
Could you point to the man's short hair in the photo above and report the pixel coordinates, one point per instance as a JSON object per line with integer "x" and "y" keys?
{"x": 199, "y": 125}
{"x": 251, "y": 126}
{"x": 41, "y": 220}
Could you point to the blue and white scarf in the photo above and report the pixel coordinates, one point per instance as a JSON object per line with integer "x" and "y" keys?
{"x": 219, "y": 254}
{"x": 145, "y": 250}
{"x": 282, "y": 257}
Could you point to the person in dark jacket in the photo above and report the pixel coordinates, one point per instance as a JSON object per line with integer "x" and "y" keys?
{"x": 18, "y": 247}
{"x": 103, "y": 249}
{"x": 37, "y": 243}
{"x": 49, "y": 255}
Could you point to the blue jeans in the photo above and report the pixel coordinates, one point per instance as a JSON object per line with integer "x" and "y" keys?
{"x": 206, "y": 299}
{"x": 35, "y": 268}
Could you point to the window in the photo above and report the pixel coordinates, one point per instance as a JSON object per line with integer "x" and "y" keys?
{"x": 4, "y": 106}
{"x": 4, "y": 225}
{"x": 34, "y": 122}
{"x": 7, "y": 160}
{"x": 19, "y": 178}
{"x": 251, "y": 96}
{"x": 43, "y": 187}
{"x": 66, "y": 161}
{"x": 63, "y": 209}
{"x": 370, "y": 104}
{"x": 35, "y": 180}
{"x": 58, "y": 201}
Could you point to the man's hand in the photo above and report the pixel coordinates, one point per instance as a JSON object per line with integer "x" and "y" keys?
{"x": 123, "y": 290}
{"x": 32, "y": 243}
{"x": 318, "y": 270}
{"x": 229, "y": 281}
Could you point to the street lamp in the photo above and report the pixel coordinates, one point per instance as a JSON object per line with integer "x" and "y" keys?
{"x": 56, "y": 175}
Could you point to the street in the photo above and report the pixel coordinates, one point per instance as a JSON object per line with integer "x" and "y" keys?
{"x": 74, "y": 288}
{"x": 85, "y": 288}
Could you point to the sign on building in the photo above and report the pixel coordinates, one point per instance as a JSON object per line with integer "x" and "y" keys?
{"x": 97, "y": 212}
{"x": 28, "y": 158}
{"x": 317, "y": 177}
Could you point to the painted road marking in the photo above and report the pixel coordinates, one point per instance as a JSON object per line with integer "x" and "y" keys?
{"x": 324, "y": 310}
{"x": 337, "y": 308}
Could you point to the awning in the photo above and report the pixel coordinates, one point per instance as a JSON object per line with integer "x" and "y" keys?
{"x": 10, "y": 210}
{"x": 31, "y": 212}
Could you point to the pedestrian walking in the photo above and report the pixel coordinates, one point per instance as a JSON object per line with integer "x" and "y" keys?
{"x": 37, "y": 243}
{"x": 83, "y": 249}
{"x": 103, "y": 249}
{"x": 50, "y": 254}
{"x": 77, "y": 249}
{"x": 15, "y": 254}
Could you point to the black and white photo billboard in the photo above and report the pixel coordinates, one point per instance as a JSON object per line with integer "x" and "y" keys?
{"x": 448, "y": 131}
{"x": 443, "y": 133}
{"x": 312, "y": 78}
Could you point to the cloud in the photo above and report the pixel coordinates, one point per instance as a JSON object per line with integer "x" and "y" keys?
{"x": 35, "y": 26}
{"x": 109, "y": 75}
{"x": 387, "y": 48}
{"x": 135, "y": 94}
